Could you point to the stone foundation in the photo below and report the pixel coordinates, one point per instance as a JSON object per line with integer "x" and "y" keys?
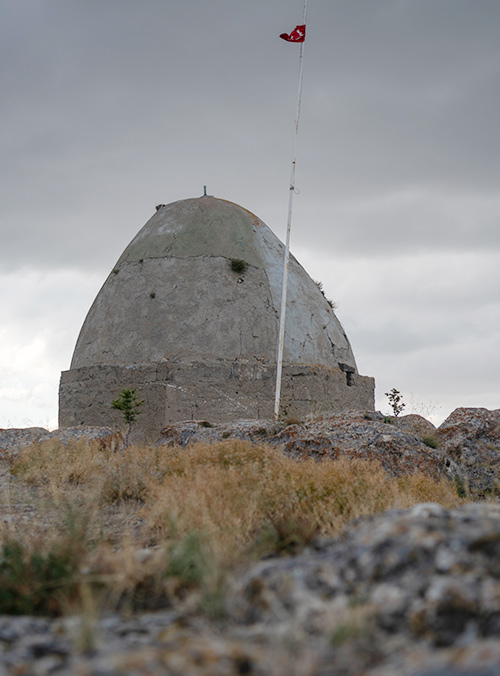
{"x": 217, "y": 391}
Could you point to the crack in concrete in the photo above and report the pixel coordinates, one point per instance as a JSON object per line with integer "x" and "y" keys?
{"x": 232, "y": 400}
{"x": 269, "y": 299}
{"x": 176, "y": 387}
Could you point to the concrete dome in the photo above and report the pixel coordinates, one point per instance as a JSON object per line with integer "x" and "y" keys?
{"x": 199, "y": 287}
{"x": 173, "y": 293}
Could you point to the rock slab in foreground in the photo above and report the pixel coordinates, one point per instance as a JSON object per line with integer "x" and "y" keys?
{"x": 424, "y": 580}
{"x": 405, "y": 593}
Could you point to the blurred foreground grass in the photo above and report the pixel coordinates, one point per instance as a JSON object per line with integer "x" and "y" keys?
{"x": 150, "y": 527}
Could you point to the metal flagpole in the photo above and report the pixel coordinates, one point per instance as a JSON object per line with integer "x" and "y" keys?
{"x": 279, "y": 363}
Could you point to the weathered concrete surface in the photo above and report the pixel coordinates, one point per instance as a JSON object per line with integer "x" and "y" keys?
{"x": 217, "y": 392}
{"x": 198, "y": 339}
{"x": 201, "y": 308}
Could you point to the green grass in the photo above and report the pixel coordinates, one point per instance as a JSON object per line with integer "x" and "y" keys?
{"x": 430, "y": 441}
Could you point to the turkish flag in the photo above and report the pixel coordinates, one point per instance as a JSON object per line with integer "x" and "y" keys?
{"x": 297, "y": 35}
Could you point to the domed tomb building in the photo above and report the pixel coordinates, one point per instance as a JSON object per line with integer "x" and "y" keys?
{"x": 189, "y": 316}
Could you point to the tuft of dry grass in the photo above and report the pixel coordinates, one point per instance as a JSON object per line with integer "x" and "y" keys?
{"x": 234, "y": 489}
{"x": 153, "y": 524}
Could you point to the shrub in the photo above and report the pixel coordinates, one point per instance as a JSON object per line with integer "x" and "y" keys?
{"x": 235, "y": 491}
{"x": 431, "y": 441}
{"x": 188, "y": 560}
{"x": 41, "y": 577}
{"x": 129, "y": 405}
{"x": 284, "y": 536}
{"x": 330, "y": 302}
{"x": 459, "y": 487}
{"x": 34, "y": 582}
{"x": 395, "y": 401}
{"x": 239, "y": 266}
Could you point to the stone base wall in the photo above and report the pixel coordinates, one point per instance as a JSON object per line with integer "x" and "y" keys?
{"x": 217, "y": 392}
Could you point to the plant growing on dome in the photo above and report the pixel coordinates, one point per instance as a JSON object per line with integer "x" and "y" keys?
{"x": 128, "y": 403}
{"x": 238, "y": 265}
{"x": 330, "y": 302}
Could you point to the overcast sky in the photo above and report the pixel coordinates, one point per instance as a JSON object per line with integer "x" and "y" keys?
{"x": 109, "y": 107}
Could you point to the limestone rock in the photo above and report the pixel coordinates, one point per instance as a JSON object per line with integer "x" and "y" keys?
{"x": 13, "y": 440}
{"x": 415, "y": 424}
{"x": 352, "y": 434}
{"x": 424, "y": 574}
{"x": 184, "y": 433}
{"x": 471, "y": 437}
{"x": 106, "y": 437}
{"x": 364, "y": 435}
{"x": 467, "y": 443}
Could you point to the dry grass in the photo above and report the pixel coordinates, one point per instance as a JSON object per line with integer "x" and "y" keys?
{"x": 201, "y": 512}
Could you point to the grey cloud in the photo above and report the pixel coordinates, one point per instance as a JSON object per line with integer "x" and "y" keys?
{"x": 406, "y": 222}
{"x": 411, "y": 96}
{"x": 106, "y": 97}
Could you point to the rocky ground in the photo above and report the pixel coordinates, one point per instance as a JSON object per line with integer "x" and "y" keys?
{"x": 465, "y": 447}
{"x": 404, "y": 593}
{"x": 408, "y": 593}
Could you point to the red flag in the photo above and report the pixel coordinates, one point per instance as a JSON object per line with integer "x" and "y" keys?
{"x": 297, "y": 35}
